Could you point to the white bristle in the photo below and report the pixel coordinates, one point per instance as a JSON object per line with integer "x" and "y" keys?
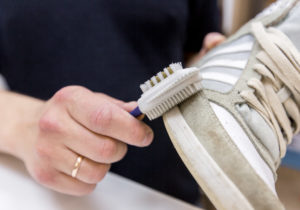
{"x": 167, "y": 71}
{"x": 176, "y": 66}
{"x": 179, "y": 97}
{"x": 182, "y": 94}
{"x": 160, "y": 76}
{"x": 166, "y": 105}
{"x": 153, "y": 79}
{"x": 189, "y": 89}
{"x": 175, "y": 99}
{"x": 143, "y": 87}
{"x": 148, "y": 84}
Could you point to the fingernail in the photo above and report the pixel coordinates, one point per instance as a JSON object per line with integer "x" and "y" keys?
{"x": 147, "y": 140}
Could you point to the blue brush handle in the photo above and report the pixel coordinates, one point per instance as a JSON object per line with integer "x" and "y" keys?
{"x": 136, "y": 112}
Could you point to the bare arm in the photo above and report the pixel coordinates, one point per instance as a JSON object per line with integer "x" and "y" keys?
{"x": 19, "y": 115}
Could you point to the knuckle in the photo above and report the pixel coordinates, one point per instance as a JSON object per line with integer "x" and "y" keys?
{"x": 107, "y": 150}
{"x": 122, "y": 150}
{"x": 64, "y": 94}
{"x": 102, "y": 117}
{"x": 43, "y": 151}
{"x": 43, "y": 176}
{"x": 49, "y": 123}
{"x": 67, "y": 93}
{"x": 137, "y": 134}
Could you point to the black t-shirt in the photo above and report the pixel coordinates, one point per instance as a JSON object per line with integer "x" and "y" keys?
{"x": 109, "y": 46}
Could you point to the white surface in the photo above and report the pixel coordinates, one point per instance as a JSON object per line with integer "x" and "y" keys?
{"x": 19, "y": 191}
{"x": 244, "y": 144}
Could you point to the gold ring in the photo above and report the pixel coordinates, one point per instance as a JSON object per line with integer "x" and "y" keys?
{"x": 77, "y": 166}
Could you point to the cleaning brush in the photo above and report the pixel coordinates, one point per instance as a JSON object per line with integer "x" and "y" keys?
{"x": 167, "y": 89}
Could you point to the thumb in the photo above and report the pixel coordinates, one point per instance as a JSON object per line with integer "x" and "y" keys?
{"x": 129, "y": 106}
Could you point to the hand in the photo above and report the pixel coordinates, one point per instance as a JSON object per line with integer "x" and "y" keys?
{"x": 210, "y": 41}
{"x": 76, "y": 121}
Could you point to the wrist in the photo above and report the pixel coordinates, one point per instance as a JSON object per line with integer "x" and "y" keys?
{"x": 19, "y": 123}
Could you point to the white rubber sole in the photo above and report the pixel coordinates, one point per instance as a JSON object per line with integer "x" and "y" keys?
{"x": 214, "y": 182}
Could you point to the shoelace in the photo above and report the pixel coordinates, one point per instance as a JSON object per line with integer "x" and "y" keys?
{"x": 277, "y": 94}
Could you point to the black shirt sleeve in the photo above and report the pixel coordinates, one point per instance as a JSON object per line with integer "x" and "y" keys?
{"x": 204, "y": 18}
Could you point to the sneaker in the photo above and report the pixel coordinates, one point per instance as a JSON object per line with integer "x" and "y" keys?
{"x": 233, "y": 134}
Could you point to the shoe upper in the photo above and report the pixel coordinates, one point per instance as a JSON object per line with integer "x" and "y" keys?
{"x": 248, "y": 111}
{"x": 252, "y": 84}
{"x": 258, "y": 68}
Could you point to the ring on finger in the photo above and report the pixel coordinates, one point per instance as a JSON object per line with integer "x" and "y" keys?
{"x": 77, "y": 166}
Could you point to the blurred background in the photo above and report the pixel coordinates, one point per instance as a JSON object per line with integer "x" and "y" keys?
{"x": 237, "y": 12}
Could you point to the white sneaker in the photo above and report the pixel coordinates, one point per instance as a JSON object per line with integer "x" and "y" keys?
{"x": 233, "y": 134}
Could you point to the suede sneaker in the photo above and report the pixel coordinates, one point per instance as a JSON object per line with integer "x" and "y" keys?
{"x": 233, "y": 134}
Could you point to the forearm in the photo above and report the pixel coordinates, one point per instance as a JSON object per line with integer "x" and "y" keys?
{"x": 18, "y": 115}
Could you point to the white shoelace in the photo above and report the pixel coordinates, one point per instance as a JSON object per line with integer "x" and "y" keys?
{"x": 277, "y": 95}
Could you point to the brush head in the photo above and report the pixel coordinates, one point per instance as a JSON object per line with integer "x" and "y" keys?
{"x": 161, "y": 76}
{"x": 167, "y": 89}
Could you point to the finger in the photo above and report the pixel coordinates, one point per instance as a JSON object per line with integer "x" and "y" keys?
{"x": 210, "y": 41}
{"x": 89, "y": 171}
{"x": 68, "y": 185}
{"x": 115, "y": 101}
{"x": 92, "y": 172}
{"x": 129, "y": 106}
{"x": 105, "y": 118}
{"x": 59, "y": 181}
{"x": 94, "y": 146}
{"x": 213, "y": 39}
